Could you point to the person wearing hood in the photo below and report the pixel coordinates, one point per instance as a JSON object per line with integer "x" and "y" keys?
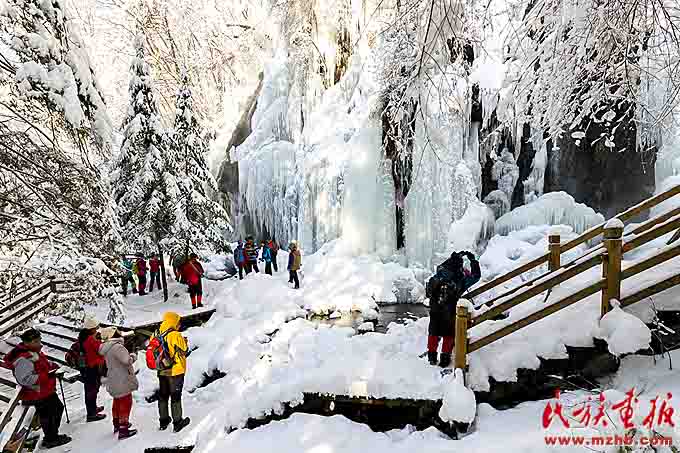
{"x": 120, "y": 381}
{"x": 444, "y": 289}
{"x": 240, "y": 259}
{"x": 171, "y": 381}
{"x": 94, "y": 368}
{"x": 294, "y": 264}
{"x": 37, "y": 380}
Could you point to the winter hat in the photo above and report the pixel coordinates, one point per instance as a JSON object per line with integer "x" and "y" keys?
{"x": 29, "y": 335}
{"x": 108, "y": 333}
{"x": 90, "y": 323}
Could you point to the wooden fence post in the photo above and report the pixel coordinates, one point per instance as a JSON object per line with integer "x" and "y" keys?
{"x": 611, "y": 263}
{"x": 53, "y": 285}
{"x": 461, "y": 338}
{"x": 554, "y": 248}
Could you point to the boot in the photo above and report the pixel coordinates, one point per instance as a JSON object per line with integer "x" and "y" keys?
{"x": 60, "y": 440}
{"x": 432, "y": 357}
{"x": 199, "y": 301}
{"x": 126, "y": 432}
{"x": 95, "y": 418}
{"x": 116, "y": 425}
{"x": 164, "y": 423}
{"x": 100, "y": 409}
{"x": 445, "y": 359}
{"x": 180, "y": 425}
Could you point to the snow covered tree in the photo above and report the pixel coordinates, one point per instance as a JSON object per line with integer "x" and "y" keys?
{"x": 144, "y": 186}
{"x": 199, "y": 222}
{"x": 55, "y": 212}
{"x": 593, "y": 64}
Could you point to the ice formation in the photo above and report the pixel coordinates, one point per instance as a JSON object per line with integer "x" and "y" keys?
{"x": 554, "y": 208}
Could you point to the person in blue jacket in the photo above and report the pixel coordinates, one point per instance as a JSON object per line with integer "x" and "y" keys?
{"x": 266, "y": 257}
{"x": 240, "y": 259}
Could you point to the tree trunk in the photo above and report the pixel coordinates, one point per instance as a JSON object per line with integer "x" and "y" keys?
{"x": 163, "y": 277}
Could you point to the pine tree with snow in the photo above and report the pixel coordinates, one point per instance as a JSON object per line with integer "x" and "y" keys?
{"x": 56, "y": 218}
{"x": 199, "y": 222}
{"x": 144, "y": 186}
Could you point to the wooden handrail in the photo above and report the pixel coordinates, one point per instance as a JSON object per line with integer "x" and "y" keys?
{"x": 654, "y": 233}
{"x": 510, "y": 275}
{"x": 650, "y": 262}
{"x": 24, "y": 297}
{"x": 651, "y": 290}
{"x": 624, "y": 216}
{"x": 559, "y": 277}
{"x": 531, "y": 282}
{"x": 536, "y": 316}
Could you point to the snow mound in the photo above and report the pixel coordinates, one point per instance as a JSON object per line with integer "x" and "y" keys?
{"x": 623, "y": 332}
{"x": 219, "y": 267}
{"x": 334, "y": 280}
{"x": 366, "y": 327}
{"x": 671, "y": 203}
{"x": 459, "y": 403}
{"x": 554, "y": 208}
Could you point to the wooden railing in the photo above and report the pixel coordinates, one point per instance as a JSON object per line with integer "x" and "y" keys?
{"x": 607, "y": 254}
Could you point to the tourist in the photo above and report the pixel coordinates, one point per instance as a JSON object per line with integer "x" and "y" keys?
{"x": 192, "y": 271}
{"x": 266, "y": 257}
{"x": 121, "y": 380}
{"x": 444, "y": 289}
{"x": 251, "y": 255}
{"x": 171, "y": 380}
{"x": 37, "y": 378}
{"x": 94, "y": 368}
{"x": 126, "y": 265}
{"x": 294, "y": 264}
{"x": 141, "y": 275}
{"x": 240, "y": 259}
{"x": 274, "y": 248}
{"x": 155, "y": 272}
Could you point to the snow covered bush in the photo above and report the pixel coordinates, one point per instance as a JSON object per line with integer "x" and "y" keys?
{"x": 554, "y": 208}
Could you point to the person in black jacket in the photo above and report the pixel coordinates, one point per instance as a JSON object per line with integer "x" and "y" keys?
{"x": 444, "y": 289}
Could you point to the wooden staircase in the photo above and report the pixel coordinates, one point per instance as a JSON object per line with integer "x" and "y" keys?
{"x": 610, "y": 246}
{"x": 19, "y": 306}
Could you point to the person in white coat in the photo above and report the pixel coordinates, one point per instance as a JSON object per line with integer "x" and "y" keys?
{"x": 120, "y": 381}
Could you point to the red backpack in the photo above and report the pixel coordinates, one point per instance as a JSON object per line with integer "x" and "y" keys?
{"x": 158, "y": 352}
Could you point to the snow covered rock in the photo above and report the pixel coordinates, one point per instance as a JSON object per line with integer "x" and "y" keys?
{"x": 623, "y": 332}
{"x": 366, "y": 327}
{"x": 459, "y": 403}
{"x": 554, "y": 208}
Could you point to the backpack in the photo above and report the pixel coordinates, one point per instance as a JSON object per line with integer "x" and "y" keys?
{"x": 75, "y": 357}
{"x": 443, "y": 287}
{"x": 240, "y": 256}
{"x": 158, "y": 352}
{"x": 135, "y": 270}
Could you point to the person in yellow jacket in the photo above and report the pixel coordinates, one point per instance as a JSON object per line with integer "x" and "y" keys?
{"x": 172, "y": 380}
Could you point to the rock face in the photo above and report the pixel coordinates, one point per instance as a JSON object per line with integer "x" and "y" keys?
{"x": 228, "y": 178}
{"x": 607, "y": 180}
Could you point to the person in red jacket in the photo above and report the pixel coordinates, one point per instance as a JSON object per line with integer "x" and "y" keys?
{"x": 37, "y": 379}
{"x": 141, "y": 275}
{"x": 155, "y": 270}
{"x": 192, "y": 271}
{"x": 94, "y": 368}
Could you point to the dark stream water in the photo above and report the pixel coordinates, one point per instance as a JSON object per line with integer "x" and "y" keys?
{"x": 398, "y": 313}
